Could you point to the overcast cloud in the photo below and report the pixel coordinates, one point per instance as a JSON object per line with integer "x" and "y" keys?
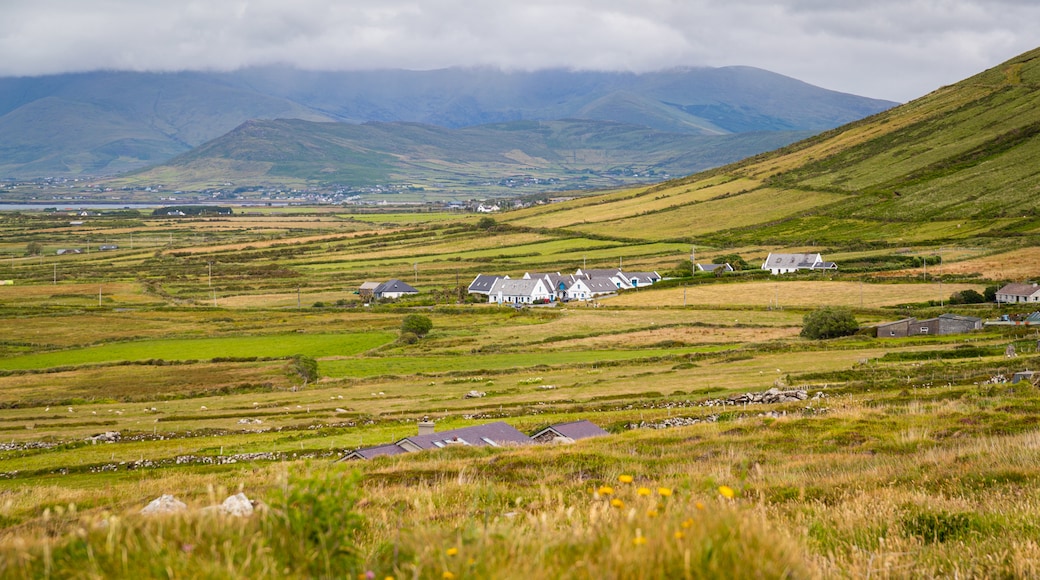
{"x": 893, "y": 49}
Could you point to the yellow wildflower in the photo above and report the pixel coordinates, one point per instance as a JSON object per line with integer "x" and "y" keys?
{"x": 452, "y": 551}
{"x": 625, "y": 478}
{"x": 605, "y": 490}
{"x": 727, "y": 491}
{"x": 447, "y": 575}
{"x": 664, "y": 491}
{"x": 687, "y": 523}
{"x": 699, "y": 505}
{"x": 678, "y": 534}
{"x": 643, "y": 491}
{"x": 471, "y": 562}
{"x": 616, "y": 502}
{"x": 639, "y": 541}
{"x": 651, "y": 513}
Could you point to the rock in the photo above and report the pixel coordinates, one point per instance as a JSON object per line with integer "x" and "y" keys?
{"x": 106, "y": 437}
{"x": 474, "y": 395}
{"x": 164, "y": 504}
{"x": 341, "y": 410}
{"x": 237, "y": 505}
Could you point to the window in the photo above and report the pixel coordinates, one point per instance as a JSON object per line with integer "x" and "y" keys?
{"x": 924, "y": 330}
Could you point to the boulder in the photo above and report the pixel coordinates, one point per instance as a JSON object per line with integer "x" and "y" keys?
{"x": 237, "y": 505}
{"x": 164, "y": 504}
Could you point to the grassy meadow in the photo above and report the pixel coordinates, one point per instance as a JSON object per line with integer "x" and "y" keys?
{"x": 909, "y": 461}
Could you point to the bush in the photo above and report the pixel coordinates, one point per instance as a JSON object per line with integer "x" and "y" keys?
{"x": 408, "y": 338}
{"x": 305, "y": 367}
{"x": 829, "y": 322}
{"x": 416, "y": 324}
{"x": 968, "y": 297}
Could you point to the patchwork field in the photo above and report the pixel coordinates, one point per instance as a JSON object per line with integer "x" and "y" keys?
{"x": 236, "y": 356}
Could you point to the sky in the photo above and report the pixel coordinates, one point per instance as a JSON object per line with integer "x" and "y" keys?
{"x": 889, "y": 49}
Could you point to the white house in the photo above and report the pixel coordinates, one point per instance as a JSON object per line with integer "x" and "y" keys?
{"x": 787, "y": 263}
{"x": 1013, "y": 293}
{"x": 532, "y": 291}
{"x": 394, "y": 289}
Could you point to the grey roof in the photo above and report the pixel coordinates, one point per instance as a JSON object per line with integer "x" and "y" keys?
{"x": 972, "y": 319}
{"x": 483, "y": 283}
{"x": 713, "y": 267}
{"x": 797, "y": 261}
{"x": 601, "y": 273}
{"x": 650, "y": 277}
{"x": 601, "y": 285}
{"x": 478, "y": 435}
{"x": 395, "y": 286}
{"x": 377, "y": 451}
{"x": 574, "y": 430}
{"x": 1019, "y": 289}
{"x": 554, "y": 281}
{"x": 369, "y": 285}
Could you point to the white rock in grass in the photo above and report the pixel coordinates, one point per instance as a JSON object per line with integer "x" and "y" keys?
{"x": 164, "y": 504}
{"x": 237, "y": 505}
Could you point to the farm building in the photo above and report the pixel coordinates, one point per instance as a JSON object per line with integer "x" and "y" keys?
{"x": 940, "y": 325}
{"x": 1015, "y": 293}
{"x": 368, "y": 289}
{"x": 714, "y": 268}
{"x": 788, "y": 263}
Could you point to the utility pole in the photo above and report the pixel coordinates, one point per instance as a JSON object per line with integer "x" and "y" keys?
{"x": 298, "y": 305}
{"x": 99, "y": 295}
{"x": 416, "y": 267}
{"x": 55, "y": 274}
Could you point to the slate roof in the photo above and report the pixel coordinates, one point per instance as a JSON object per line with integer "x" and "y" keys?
{"x": 713, "y": 267}
{"x": 641, "y": 277}
{"x": 574, "y": 430}
{"x": 519, "y": 287}
{"x": 798, "y": 262}
{"x": 395, "y": 286}
{"x": 377, "y": 451}
{"x": 478, "y": 435}
{"x": 601, "y": 285}
{"x": 1019, "y": 289}
{"x": 483, "y": 283}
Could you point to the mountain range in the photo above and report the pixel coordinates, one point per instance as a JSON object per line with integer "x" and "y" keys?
{"x": 104, "y": 123}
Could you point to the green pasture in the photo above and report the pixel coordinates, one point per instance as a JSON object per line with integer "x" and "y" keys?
{"x": 467, "y": 362}
{"x": 313, "y": 345}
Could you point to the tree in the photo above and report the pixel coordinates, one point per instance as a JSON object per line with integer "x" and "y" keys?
{"x": 990, "y": 294}
{"x": 33, "y": 249}
{"x": 734, "y": 260}
{"x": 304, "y": 367}
{"x": 829, "y": 322}
{"x": 968, "y": 297}
{"x": 416, "y": 324}
{"x": 486, "y": 223}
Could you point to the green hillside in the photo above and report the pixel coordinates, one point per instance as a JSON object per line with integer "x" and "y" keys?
{"x": 571, "y": 154}
{"x": 960, "y": 161}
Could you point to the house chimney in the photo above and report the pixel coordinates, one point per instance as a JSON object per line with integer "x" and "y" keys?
{"x": 426, "y": 427}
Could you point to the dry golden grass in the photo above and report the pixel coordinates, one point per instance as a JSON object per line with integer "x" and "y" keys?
{"x": 792, "y": 294}
{"x": 1020, "y": 265}
{"x": 112, "y": 294}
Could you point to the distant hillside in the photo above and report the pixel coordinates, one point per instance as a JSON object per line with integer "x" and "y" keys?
{"x": 571, "y": 154}
{"x": 108, "y": 122}
{"x": 963, "y": 161}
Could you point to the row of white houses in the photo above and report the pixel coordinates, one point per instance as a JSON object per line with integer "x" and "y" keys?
{"x": 538, "y": 288}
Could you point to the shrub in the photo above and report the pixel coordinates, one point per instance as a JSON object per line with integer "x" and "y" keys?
{"x": 416, "y": 324}
{"x": 968, "y": 297}
{"x": 829, "y": 322}
{"x": 408, "y": 338}
{"x": 305, "y": 367}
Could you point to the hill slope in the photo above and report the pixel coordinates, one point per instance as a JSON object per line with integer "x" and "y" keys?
{"x": 570, "y": 154}
{"x": 104, "y": 123}
{"x": 963, "y": 160}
